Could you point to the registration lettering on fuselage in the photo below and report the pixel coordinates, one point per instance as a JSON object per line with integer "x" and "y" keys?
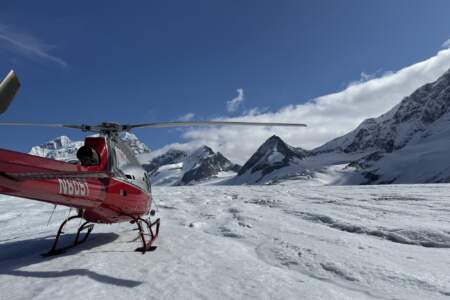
{"x": 73, "y": 187}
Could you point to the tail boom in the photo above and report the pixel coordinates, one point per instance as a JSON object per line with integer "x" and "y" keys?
{"x": 51, "y": 181}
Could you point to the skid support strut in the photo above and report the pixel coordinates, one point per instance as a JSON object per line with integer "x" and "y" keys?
{"x": 147, "y": 228}
{"x": 85, "y": 226}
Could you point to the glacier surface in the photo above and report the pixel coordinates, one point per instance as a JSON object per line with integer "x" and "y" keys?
{"x": 285, "y": 241}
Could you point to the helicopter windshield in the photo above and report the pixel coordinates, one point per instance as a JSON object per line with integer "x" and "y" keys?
{"x": 121, "y": 159}
{"x": 127, "y": 164}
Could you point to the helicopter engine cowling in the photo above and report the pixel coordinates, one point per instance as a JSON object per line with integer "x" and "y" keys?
{"x": 88, "y": 156}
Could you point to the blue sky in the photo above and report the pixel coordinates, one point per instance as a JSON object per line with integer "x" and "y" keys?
{"x": 146, "y": 61}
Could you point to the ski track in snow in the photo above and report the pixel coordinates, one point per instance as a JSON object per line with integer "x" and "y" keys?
{"x": 284, "y": 241}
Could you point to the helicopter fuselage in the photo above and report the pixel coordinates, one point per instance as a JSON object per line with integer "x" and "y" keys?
{"x": 114, "y": 190}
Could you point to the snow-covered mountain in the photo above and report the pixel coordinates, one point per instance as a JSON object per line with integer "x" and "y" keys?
{"x": 172, "y": 156}
{"x": 135, "y": 144}
{"x": 274, "y": 160}
{"x": 176, "y": 167}
{"x": 63, "y": 148}
{"x": 408, "y": 144}
{"x": 60, "y": 148}
{"x": 409, "y": 122}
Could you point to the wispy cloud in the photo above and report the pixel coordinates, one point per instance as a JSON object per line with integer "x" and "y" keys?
{"x": 446, "y": 44}
{"x": 187, "y": 117}
{"x": 27, "y": 45}
{"x": 234, "y": 103}
{"x": 364, "y": 76}
{"x": 328, "y": 116}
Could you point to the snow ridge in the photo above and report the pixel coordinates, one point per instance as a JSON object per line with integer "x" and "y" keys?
{"x": 63, "y": 148}
{"x": 273, "y": 160}
{"x": 176, "y": 167}
{"x": 60, "y": 148}
{"x": 407, "y": 144}
{"x": 403, "y": 124}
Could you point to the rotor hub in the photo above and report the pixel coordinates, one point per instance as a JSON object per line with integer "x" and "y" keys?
{"x": 105, "y": 128}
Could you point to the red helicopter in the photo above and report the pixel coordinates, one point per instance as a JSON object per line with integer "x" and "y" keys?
{"x": 107, "y": 184}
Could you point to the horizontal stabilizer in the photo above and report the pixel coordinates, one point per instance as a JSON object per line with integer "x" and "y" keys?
{"x": 8, "y": 89}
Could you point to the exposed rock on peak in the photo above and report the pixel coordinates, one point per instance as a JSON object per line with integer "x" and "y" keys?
{"x": 60, "y": 148}
{"x": 176, "y": 167}
{"x": 135, "y": 144}
{"x": 204, "y": 163}
{"x": 63, "y": 148}
{"x": 403, "y": 124}
{"x": 170, "y": 157}
{"x": 274, "y": 154}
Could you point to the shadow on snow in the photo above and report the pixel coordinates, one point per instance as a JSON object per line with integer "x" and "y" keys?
{"x": 18, "y": 254}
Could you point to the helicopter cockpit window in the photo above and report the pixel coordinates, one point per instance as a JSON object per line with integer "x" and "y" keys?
{"x": 126, "y": 164}
{"x": 121, "y": 158}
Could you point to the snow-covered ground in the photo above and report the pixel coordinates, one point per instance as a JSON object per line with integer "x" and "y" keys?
{"x": 244, "y": 242}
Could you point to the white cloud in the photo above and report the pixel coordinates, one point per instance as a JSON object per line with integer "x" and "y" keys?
{"x": 187, "y": 117}
{"x": 27, "y": 45}
{"x": 446, "y": 44}
{"x": 363, "y": 77}
{"x": 234, "y": 103}
{"x": 327, "y": 116}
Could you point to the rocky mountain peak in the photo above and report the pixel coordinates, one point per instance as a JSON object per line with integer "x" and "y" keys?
{"x": 60, "y": 142}
{"x": 205, "y": 163}
{"x": 202, "y": 152}
{"x": 63, "y": 148}
{"x": 135, "y": 144}
{"x": 274, "y": 139}
{"x": 408, "y": 121}
{"x": 171, "y": 156}
{"x": 273, "y": 154}
{"x": 176, "y": 167}
{"x": 60, "y": 148}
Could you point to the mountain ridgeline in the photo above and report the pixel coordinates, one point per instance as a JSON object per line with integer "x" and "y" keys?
{"x": 271, "y": 161}
{"x": 63, "y": 148}
{"x": 407, "y": 122}
{"x": 176, "y": 167}
{"x": 407, "y": 144}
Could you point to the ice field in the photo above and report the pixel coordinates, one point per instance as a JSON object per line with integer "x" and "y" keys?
{"x": 284, "y": 241}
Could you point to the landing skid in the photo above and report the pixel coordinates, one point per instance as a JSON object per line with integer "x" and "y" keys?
{"x": 85, "y": 226}
{"x": 145, "y": 227}
{"x": 152, "y": 234}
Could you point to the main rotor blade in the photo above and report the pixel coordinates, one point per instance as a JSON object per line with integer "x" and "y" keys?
{"x": 210, "y": 123}
{"x": 114, "y": 127}
{"x": 40, "y": 125}
{"x": 8, "y": 89}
